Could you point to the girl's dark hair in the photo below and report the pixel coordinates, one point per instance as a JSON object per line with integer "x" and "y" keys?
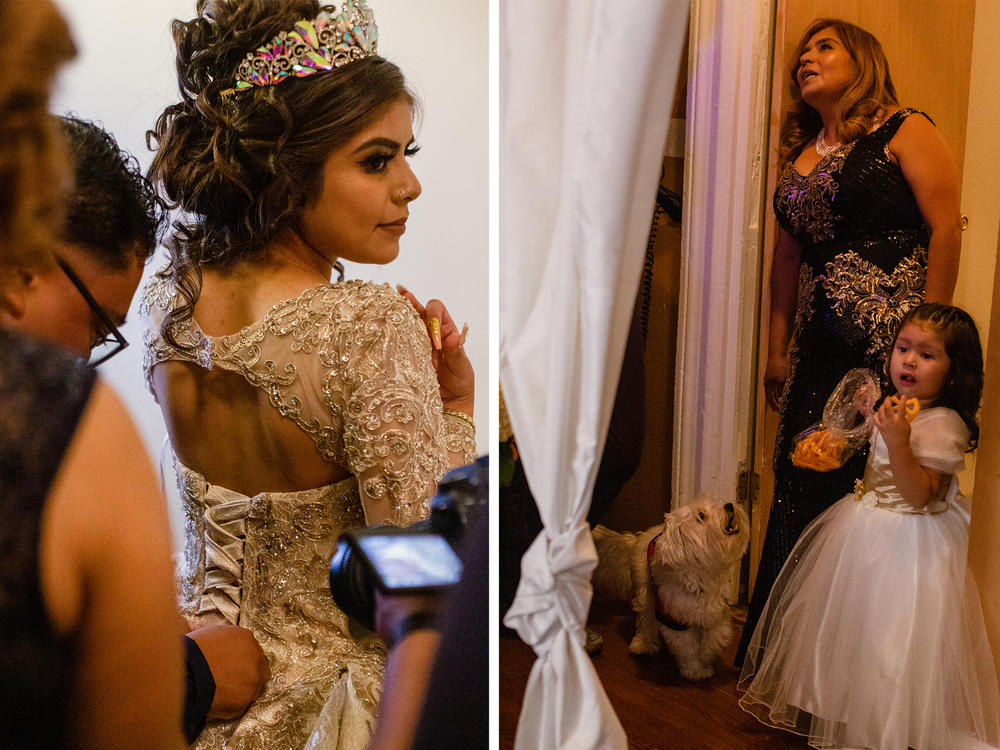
{"x": 963, "y": 386}
{"x": 243, "y": 166}
{"x": 860, "y": 105}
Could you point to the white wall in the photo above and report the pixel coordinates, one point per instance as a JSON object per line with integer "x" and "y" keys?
{"x": 124, "y": 76}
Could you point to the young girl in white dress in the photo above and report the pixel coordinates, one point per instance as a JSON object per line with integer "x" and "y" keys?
{"x": 873, "y": 636}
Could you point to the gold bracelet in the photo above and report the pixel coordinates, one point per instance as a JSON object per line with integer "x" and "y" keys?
{"x": 460, "y": 415}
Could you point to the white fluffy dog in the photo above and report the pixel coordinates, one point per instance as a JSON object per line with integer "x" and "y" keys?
{"x": 676, "y": 576}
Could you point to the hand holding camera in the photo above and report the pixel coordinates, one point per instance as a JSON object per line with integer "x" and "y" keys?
{"x": 417, "y": 560}
{"x": 397, "y": 615}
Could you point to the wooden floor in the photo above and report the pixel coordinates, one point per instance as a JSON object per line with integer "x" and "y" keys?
{"x": 658, "y": 708}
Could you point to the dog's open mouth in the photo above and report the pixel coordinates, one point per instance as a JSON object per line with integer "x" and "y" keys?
{"x": 731, "y": 526}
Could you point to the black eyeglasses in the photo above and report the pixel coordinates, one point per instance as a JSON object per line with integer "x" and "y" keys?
{"x": 107, "y": 343}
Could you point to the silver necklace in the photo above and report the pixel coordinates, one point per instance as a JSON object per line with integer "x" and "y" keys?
{"x": 821, "y": 146}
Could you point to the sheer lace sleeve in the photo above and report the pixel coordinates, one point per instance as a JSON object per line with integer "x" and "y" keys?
{"x": 157, "y": 300}
{"x": 460, "y": 438}
{"x": 384, "y": 393}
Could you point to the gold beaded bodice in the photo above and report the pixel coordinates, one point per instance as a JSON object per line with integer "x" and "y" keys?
{"x": 263, "y": 562}
{"x": 350, "y": 364}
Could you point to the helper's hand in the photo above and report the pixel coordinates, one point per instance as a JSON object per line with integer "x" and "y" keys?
{"x": 238, "y": 665}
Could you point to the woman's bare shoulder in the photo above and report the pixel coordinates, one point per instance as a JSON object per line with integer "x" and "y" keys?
{"x": 104, "y": 490}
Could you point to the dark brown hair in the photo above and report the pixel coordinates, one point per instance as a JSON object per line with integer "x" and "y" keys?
{"x": 34, "y": 43}
{"x": 243, "y": 166}
{"x": 864, "y": 101}
{"x": 963, "y": 386}
{"x": 112, "y": 212}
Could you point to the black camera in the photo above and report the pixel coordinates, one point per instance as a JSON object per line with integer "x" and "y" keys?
{"x": 415, "y": 559}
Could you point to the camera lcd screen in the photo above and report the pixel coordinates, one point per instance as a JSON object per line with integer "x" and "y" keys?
{"x": 412, "y": 561}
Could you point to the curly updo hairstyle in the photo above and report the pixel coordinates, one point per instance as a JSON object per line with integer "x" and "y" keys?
{"x": 244, "y": 165}
{"x": 864, "y": 101}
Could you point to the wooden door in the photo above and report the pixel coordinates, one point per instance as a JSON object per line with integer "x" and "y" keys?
{"x": 929, "y": 47}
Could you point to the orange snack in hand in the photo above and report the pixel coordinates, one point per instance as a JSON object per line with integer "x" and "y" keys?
{"x": 820, "y": 451}
{"x": 912, "y": 406}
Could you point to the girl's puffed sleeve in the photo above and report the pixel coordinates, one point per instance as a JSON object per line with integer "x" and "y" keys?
{"x": 939, "y": 438}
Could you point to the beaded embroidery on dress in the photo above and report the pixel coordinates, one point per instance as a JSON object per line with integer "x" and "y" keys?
{"x": 350, "y": 364}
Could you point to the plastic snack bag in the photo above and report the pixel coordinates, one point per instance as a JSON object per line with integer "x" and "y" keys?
{"x": 847, "y": 423}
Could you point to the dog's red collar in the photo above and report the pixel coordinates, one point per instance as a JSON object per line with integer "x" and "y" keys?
{"x": 662, "y": 616}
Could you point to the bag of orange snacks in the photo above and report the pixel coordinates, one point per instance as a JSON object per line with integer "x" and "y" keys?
{"x": 846, "y": 425}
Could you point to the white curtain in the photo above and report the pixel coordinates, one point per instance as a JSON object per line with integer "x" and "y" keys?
{"x": 586, "y": 88}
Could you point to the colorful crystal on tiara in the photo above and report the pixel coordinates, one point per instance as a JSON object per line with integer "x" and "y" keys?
{"x": 330, "y": 40}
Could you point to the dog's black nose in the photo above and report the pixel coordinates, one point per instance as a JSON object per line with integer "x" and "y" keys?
{"x": 728, "y": 507}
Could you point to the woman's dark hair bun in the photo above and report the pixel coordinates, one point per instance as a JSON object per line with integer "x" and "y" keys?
{"x": 244, "y": 164}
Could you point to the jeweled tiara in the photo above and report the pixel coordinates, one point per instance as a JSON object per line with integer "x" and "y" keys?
{"x": 329, "y": 41}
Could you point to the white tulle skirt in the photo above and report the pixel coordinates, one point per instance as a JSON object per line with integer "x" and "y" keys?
{"x": 873, "y": 636}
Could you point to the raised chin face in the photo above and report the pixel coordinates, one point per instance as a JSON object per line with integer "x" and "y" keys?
{"x": 826, "y": 68}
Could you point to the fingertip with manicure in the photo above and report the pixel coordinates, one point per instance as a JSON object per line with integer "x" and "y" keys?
{"x": 434, "y": 324}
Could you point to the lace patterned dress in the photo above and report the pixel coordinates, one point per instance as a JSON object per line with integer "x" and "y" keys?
{"x": 350, "y": 364}
{"x": 864, "y": 263}
{"x": 873, "y": 636}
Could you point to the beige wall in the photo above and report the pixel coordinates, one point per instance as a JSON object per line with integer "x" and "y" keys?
{"x": 984, "y": 550}
{"x": 980, "y": 249}
{"x": 981, "y": 185}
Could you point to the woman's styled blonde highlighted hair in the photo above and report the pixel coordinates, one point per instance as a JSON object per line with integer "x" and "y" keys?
{"x": 34, "y": 43}
{"x": 864, "y": 101}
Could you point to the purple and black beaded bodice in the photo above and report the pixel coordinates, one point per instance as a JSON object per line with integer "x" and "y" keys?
{"x": 864, "y": 250}
{"x": 864, "y": 263}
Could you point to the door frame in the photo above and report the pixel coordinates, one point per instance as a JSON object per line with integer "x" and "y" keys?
{"x": 721, "y": 259}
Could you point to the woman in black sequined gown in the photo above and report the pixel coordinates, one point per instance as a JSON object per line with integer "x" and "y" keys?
{"x": 868, "y": 210}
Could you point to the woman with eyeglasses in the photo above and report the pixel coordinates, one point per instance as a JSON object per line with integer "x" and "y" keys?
{"x": 88, "y": 631}
{"x": 296, "y": 407}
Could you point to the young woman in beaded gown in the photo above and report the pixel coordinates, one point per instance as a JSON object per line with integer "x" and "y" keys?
{"x": 867, "y": 204}
{"x": 296, "y": 407}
